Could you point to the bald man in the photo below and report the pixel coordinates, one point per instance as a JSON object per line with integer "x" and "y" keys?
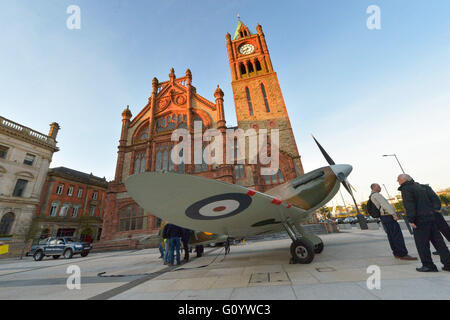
{"x": 389, "y": 219}
{"x": 419, "y": 201}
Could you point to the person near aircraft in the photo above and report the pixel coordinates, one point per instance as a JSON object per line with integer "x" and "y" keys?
{"x": 419, "y": 201}
{"x": 199, "y": 250}
{"x": 389, "y": 219}
{"x": 165, "y": 244}
{"x": 174, "y": 234}
{"x": 185, "y": 235}
{"x": 442, "y": 225}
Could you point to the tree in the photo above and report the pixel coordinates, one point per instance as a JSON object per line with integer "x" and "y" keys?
{"x": 399, "y": 206}
{"x": 325, "y": 212}
{"x": 364, "y": 207}
{"x": 30, "y": 234}
{"x": 445, "y": 199}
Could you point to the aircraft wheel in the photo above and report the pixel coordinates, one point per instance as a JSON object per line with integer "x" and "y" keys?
{"x": 319, "y": 248}
{"x": 302, "y": 251}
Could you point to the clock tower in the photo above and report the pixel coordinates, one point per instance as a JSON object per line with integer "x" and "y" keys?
{"x": 257, "y": 94}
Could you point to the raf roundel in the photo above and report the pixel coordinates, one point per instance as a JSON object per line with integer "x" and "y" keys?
{"x": 219, "y": 207}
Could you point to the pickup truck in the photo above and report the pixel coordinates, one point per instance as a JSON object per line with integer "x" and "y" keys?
{"x": 57, "y": 247}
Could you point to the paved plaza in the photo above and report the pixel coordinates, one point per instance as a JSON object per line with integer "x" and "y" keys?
{"x": 256, "y": 270}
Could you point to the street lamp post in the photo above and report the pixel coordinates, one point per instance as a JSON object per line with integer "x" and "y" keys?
{"x": 404, "y": 217}
{"x": 394, "y": 155}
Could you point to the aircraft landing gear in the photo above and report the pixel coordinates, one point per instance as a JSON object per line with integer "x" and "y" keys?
{"x": 302, "y": 249}
{"x": 318, "y": 248}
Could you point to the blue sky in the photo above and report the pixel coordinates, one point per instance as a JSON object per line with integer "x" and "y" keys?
{"x": 363, "y": 93}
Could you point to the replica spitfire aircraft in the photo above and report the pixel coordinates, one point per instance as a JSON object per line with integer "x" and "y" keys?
{"x": 234, "y": 211}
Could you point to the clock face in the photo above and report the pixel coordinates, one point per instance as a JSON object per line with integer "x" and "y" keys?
{"x": 246, "y": 49}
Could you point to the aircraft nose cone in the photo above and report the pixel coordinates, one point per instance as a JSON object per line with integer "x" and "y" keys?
{"x": 342, "y": 171}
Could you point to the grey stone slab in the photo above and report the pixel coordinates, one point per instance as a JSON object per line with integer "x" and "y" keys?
{"x": 212, "y": 294}
{"x": 411, "y": 289}
{"x": 263, "y": 293}
{"x": 332, "y": 291}
{"x": 443, "y": 281}
{"x": 278, "y": 277}
{"x": 166, "y": 295}
{"x": 259, "y": 277}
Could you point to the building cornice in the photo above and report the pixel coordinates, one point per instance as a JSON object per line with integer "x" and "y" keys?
{"x": 26, "y": 134}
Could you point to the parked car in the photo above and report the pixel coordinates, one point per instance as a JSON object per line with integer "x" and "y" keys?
{"x": 57, "y": 247}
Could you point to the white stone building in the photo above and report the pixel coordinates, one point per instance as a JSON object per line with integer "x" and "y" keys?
{"x": 25, "y": 156}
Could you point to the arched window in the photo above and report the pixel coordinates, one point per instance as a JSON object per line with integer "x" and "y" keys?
{"x": 6, "y": 223}
{"x": 142, "y": 164}
{"x": 257, "y": 65}
{"x": 181, "y": 165}
{"x": 54, "y": 209}
{"x": 250, "y": 67}
{"x": 158, "y": 161}
{"x": 199, "y": 167}
{"x": 242, "y": 68}
{"x": 266, "y": 102}
{"x": 249, "y": 100}
{"x": 64, "y": 210}
{"x": 139, "y": 163}
{"x": 165, "y": 158}
{"x": 171, "y": 164}
{"x": 75, "y": 211}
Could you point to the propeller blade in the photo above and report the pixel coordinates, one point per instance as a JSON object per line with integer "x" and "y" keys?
{"x": 346, "y": 186}
{"x": 352, "y": 187}
{"x": 325, "y": 154}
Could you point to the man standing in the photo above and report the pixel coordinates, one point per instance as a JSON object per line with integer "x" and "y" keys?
{"x": 185, "y": 235}
{"x": 164, "y": 243}
{"x": 389, "y": 220}
{"x": 420, "y": 206}
{"x": 174, "y": 234}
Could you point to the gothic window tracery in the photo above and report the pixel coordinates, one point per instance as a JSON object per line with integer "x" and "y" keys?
{"x": 139, "y": 163}
{"x": 171, "y": 122}
{"x": 163, "y": 160}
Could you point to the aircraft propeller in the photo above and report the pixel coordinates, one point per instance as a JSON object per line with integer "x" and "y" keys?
{"x": 343, "y": 179}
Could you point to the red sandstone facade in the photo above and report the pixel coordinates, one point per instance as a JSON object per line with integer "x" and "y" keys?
{"x": 145, "y": 140}
{"x": 72, "y": 204}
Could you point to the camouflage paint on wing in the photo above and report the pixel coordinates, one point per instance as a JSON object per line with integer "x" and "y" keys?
{"x": 308, "y": 191}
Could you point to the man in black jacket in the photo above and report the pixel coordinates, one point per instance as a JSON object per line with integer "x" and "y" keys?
{"x": 420, "y": 202}
{"x": 174, "y": 235}
{"x": 185, "y": 235}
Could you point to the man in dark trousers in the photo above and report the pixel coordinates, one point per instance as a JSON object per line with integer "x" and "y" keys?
{"x": 185, "y": 235}
{"x": 440, "y": 222}
{"x": 174, "y": 235}
{"x": 420, "y": 203}
{"x": 389, "y": 219}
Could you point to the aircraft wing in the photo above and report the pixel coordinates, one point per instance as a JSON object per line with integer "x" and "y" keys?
{"x": 209, "y": 205}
